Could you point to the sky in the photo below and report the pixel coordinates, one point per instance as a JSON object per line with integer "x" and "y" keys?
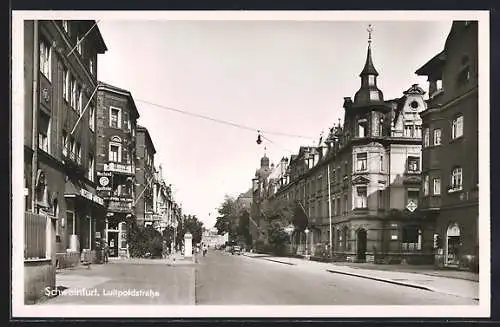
{"x": 276, "y": 76}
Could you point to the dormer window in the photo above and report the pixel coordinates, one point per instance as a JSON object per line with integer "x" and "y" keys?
{"x": 374, "y": 96}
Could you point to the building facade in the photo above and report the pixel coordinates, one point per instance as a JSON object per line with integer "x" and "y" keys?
{"x": 117, "y": 117}
{"x": 162, "y": 202}
{"x": 144, "y": 178}
{"x": 60, "y": 131}
{"x": 450, "y": 147}
{"x": 359, "y": 189}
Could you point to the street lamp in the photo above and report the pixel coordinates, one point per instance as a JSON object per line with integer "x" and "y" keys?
{"x": 289, "y": 230}
{"x": 307, "y": 233}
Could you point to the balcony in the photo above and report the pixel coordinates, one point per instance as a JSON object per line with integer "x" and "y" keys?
{"x": 119, "y": 168}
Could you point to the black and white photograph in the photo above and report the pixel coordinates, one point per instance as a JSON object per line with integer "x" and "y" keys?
{"x": 250, "y": 164}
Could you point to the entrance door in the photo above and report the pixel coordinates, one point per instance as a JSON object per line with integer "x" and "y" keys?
{"x": 361, "y": 245}
{"x": 113, "y": 244}
{"x": 453, "y": 245}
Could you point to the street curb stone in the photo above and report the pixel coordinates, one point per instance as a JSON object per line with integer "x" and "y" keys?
{"x": 382, "y": 280}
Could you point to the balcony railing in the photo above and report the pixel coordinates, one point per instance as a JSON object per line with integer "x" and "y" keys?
{"x": 119, "y": 168}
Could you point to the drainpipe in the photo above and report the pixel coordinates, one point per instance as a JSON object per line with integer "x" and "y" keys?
{"x": 34, "y": 138}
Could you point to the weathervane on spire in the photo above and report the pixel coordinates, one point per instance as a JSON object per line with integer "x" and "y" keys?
{"x": 370, "y": 30}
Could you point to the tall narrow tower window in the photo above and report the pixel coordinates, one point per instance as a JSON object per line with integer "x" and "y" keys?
{"x": 371, "y": 80}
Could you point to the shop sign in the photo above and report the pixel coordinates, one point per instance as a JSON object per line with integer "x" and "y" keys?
{"x": 411, "y": 205}
{"x": 119, "y": 199}
{"x": 92, "y": 197}
{"x": 104, "y": 173}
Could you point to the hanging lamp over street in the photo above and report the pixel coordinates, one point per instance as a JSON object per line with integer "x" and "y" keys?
{"x": 259, "y": 138}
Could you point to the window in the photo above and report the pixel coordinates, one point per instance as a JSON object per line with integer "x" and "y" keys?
{"x": 65, "y": 26}
{"x": 114, "y": 117}
{"x": 79, "y": 44}
{"x": 73, "y": 93}
{"x": 91, "y": 65}
{"x": 125, "y": 158}
{"x": 437, "y": 137}
{"x": 418, "y": 131}
{"x": 456, "y": 178}
{"x": 79, "y": 99}
{"x": 426, "y": 185}
{"x": 91, "y": 117}
{"x": 412, "y": 196}
{"x": 371, "y": 80}
{"x": 346, "y": 210}
{"x": 361, "y": 197}
{"x": 64, "y": 143}
{"x": 426, "y": 137}
{"x": 66, "y": 86}
{"x": 78, "y": 153}
{"x": 45, "y": 58}
{"x": 361, "y": 162}
{"x": 413, "y": 164}
{"x": 115, "y": 152}
{"x": 457, "y": 127}
{"x": 408, "y": 131}
{"x": 91, "y": 168}
{"x": 362, "y": 127}
{"x": 44, "y": 132}
{"x": 72, "y": 147}
{"x": 411, "y": 239}
{"x": 436, "y": 185}
{"x": 381, "y": 200}
{"x": 374, "y": 95}
{"x": 382, "y": 163}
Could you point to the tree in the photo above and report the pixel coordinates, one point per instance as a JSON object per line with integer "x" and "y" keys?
{"x": 278, "y": 239}
{"x": 224, "y": 222}
{"x": 192, "y": 225}
{"x": 244, "y": 227}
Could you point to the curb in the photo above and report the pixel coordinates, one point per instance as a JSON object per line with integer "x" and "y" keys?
{"x": 382, "y": 280}
{"x": 390, "y": 281}
{"x": 285, "y": 263}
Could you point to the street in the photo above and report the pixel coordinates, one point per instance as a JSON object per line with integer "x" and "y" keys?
{"x": 224, "y": 279}
{"x": 236, "y": 279}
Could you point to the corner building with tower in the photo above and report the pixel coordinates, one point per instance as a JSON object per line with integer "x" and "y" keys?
{"x": 359, "y": 189}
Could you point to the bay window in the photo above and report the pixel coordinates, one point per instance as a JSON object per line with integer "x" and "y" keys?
{"x": 437, "y": 137}
{"x": 436, "y": 186}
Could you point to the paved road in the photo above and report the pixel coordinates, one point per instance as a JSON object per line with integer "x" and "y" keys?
{"x": 154, "y": 282}
{"x": 232, "y": 279}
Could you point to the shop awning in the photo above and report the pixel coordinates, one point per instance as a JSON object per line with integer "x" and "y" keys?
{"x": 83, "y": 191}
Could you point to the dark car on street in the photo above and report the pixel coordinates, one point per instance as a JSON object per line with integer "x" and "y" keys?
{"x": 236, "y": 249}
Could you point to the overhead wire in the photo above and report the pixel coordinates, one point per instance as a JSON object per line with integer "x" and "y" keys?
{"x": 225, "y": 122}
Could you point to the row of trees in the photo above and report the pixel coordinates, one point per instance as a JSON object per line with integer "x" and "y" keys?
{"x": 142, "y": 240}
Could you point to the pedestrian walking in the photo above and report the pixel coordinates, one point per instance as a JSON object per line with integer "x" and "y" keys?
{"x": 106, "y": 251}
{"x": 205, "y": 249}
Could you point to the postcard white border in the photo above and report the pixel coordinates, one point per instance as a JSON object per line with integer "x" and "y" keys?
{"x": 19, "y": 309}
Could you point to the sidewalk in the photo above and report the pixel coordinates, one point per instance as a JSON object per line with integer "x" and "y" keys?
{"x": 441, "y": 281}
{"x": 126, "y": 281}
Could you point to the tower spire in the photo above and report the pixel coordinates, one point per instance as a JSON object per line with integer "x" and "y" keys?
{"x": 369, "y": 30}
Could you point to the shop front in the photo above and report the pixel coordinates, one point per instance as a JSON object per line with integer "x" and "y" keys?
{"x": 84, "y": 213}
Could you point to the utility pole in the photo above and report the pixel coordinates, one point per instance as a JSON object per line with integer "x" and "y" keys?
{"x": 330, "y": 211}
{"x": 34, "y": 138}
